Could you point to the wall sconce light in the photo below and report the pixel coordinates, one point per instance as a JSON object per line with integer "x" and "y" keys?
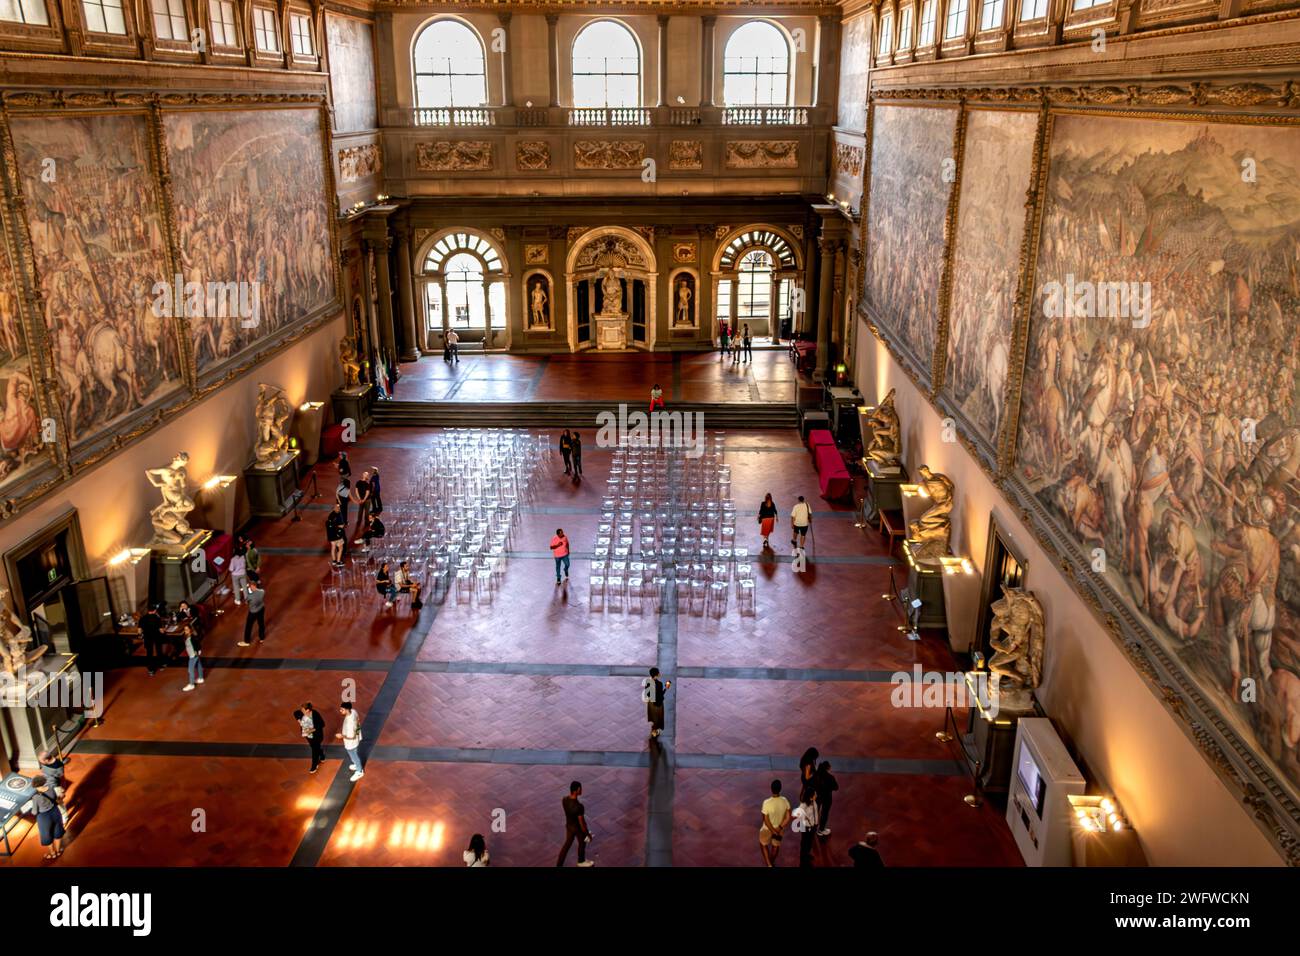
{"x": 382, "y": 197}
{"x": 955, "y": 565}
{"x": 132, "y": 556}
{"x": 218, "y": 481}
{"x": 915, "y": 491}
{"x": 310, "y": 406}
{"x": 1096, "y": 814}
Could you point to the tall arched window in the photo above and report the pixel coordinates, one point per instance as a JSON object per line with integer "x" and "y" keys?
{"x": 449, "y": 66}
{"x": 756, "y": 66}
{"x": 464, "y": 286}
{"x": 754, "y": 287}
{"x": 606, "y": 66}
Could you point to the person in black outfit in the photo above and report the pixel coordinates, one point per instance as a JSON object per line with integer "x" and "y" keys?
{"x": 344, "y": 496}
{"x": 807, "y": 767}
{"x": 865, "y": 854}
{"x": 345, "y": 466}
{"x": 336, "y": 532}
{"x": 576, "y": 455}
{"x": 825, "y": 785}
{"x": 566, "y": 449}
{"x": 361, "y": 494}
{"x": 312, "y": 725}
{"x": 374, "y": 529}
{"x": 151, "y": 635}
{"x": 747, "y": 340}
{"x": 376, "y": 502}
{"x": 575, "y": 825}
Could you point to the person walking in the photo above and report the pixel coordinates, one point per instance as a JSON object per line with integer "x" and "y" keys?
{"x": 256, "y": 614}
{"x": 193, "y": 649}
{"x": 576, "y": 455}
{"x": 805, "y": 824}
{"x": 452, "y": 351}
{"x": 800, "y": 519}
{"x": 361, "y": 495}
{"x": 560, "y": 550}
{"x": 722, "y": 339}
{"x": 55, "y": 768}
{"x": 252, "y": 559}
{"x": 825, "y": 785}
{"x": 652, "y": 692}
{"x": 336, "y": 532}
{"x": 351, "y": 737}
{"x": 151, "y": 637}
{"x": 312, "y": 725}
{"x": 238, "y": 573}
{"x": 748, "y": 342}
{"x": 864, "y": 853}
{"x": 575, "y": 826}
{"x": 767, "y": 515}
{"x": 566, "y": 450}
{"x": 656, "y": 397}
{"x": 477, "y": 854}
{"x": 776, "y": 817}
{"x": 49, "y": 821}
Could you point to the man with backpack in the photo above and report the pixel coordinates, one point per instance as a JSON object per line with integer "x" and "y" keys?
{"x": 652, "y": 693}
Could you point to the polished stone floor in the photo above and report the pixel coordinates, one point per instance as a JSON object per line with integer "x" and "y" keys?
{"x": 477, "y": 718}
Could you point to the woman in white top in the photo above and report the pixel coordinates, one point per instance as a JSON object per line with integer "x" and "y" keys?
{"x": 238, "y": 574}
{"x": 477, "y": 854}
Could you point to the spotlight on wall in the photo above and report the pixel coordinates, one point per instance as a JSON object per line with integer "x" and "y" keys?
{"x": 681, "y": 100}
{"x": 528, "y": 104}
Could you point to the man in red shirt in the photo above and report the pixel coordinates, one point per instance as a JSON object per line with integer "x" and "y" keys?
{"x": 560, "y": 548}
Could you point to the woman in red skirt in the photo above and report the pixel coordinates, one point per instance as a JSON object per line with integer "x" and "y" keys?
{"x": 767, "y": 519}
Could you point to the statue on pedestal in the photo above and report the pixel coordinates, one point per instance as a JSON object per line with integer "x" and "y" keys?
{"x": 170, "y": 525}
{"x": 537, "y": 306}
{"x": 1016, "y": 635}
{"x": 684, "y": 303}
{"x": 611, "y": 291}
{"x": 884, "y": 443}
{"x": 351, "y": 362}
{"x": 14, "y": 638}
{"x": 273, "y": 414}
{"x": 928, "y": 535}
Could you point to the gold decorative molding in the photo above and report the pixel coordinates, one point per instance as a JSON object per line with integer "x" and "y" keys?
{"x": 359, "y": 162}
{"x": 532, "y": 155}
{"x": 684, "y": 252}
{"x": 1284, "y": 95}
{"x": 608, "y": 154}
{"x": 762, "y": 154}
{"x": 536, "y": 254}
{"x": 686, "y": 154}
{"x": 446, "y": 156}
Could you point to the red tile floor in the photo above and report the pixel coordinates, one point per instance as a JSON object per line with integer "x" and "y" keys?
{"x": 478, "y": 717}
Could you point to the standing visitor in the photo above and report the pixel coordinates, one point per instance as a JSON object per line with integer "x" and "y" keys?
{"x": 49, "y": 821}
{"x": 238, "y": 573}
{"x": 722, "y": 338}
{"x": 54, "y": 767}
{"x": 560, "y": 549}
{"x": 345, "y": 466}
{"x": 252, "y": 559}
{"x": 351, "y": 737}
{"x": 577, "y": 457}
{"x": 807, "y": 768}
{"x": 376, "y": 502}
{"x": 767, "y": 515}
{"x": 805, "y": 823}
{"x": 776, "y": 816}
{"x": 151, "y": 636}
{"x": 343, "y": 494}
{"x": 451, "y": 353}
{"x": 566, "y": 450}
{"x": 477, "y": 854}
{"x": 652, "y": 692}
{"x": 335, "y": 532}
{"x": 748, "y": 341}
{"x": 656, "y": 397}
{"x": 256, "y": 614}
{"x": 312, "y": 725}
{"x": 825, "y": 784}
{"x": 193, "y": 648}
{"x": 361, "y": 495}
{"x": 800, "y": 519}
{"x": 575, "y": 826}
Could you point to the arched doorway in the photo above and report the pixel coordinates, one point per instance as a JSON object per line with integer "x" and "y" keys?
{"x": 611, "y": 280}
{"x": 757, "y": 281}
{"x": 465, "y": 285}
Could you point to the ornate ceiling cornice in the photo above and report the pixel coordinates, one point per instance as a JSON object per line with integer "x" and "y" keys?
{"x": 694, "y": 7}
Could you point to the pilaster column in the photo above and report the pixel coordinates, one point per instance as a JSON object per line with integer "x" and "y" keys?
{"x": 377, "y": 247}
{"x": 706, "y": 63}
{"x": 507, "y": 63}
{"x": 663, "y": 59}
{"x": 411, "y": 336}
{"x": 828, "y": 48}
{"x": 553, "y": 55}
{"x": 837, "y": 301}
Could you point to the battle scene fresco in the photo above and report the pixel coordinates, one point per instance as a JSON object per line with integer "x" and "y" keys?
{"x": 20, "y": 431}
{"x": 249, "y": 196}
{"x": 1158, "y": 420}
{"x": 997, "y": 161}
{"x": 912, "y": 172}
{"x": 96, "y": 234}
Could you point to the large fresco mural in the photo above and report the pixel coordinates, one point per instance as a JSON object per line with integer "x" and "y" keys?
{"x": 20, "y": 430}
{"x": 912, "y": 172}
{"x": 249, "y": 191}
{"x": 97, "y": 240}
{"x": 997, "y": 161}
{"x": 352, "y": 73}
{"x": 855, "y": 61}
{"x": 1158, "y": 422}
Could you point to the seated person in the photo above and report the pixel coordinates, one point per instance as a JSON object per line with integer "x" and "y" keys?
{"x": 374, "y": 529}
{"x": 407, "y": 583}
{"x": 384, "y": 585}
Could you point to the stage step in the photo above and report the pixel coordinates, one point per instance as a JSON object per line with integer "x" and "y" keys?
{"x": 571, "y": 414}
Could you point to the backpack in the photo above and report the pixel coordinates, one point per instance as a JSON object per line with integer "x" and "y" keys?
{"x": 648, "y": 691}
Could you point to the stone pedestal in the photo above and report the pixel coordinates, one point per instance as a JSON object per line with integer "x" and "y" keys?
{"x": 49, "y": 694}
{"x": 884, "y": 486}
{"x": 353, "y": 404}
{"x": 307, "y": 428}
{"x": 273, "y": 488}
{"x": 926, "y": 582}
{"x": 174, "y": 578}
{"x": 611, "y": 332}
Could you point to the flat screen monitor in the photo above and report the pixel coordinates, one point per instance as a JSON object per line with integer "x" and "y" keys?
{"x": 1032, "y": 780}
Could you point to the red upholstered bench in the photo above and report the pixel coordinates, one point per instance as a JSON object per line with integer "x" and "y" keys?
{"x": 818, "y": 438}
{"x": 831, "y": 473}
{"x": 331, "y": 441}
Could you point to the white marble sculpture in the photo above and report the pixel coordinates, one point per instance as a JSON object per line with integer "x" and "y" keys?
{"x": 170, "y": 525}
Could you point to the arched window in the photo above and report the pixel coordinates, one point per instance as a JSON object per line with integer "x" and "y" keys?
{"x": 754, "y": 287}
{"x": 449, "y": 66}
{"x": 464, "y": 284}
{"x": 606, "y": 66}
{"x": 756, "y": 66}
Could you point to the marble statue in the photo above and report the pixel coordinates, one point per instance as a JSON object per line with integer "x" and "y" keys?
{"x": 611, "y": 290}
{"x": 884, "y": 444}
{"x": 170, "y": 525}
{"x": 14, "y": 638}
{"x": 350, "y": 360}
{"x": 273, "y": 414}
{"x": 1016, "y": 636}
{"x": 928, "y": 535}
{"x": 684, "y": 302}
{"x": 537, "y": 304}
